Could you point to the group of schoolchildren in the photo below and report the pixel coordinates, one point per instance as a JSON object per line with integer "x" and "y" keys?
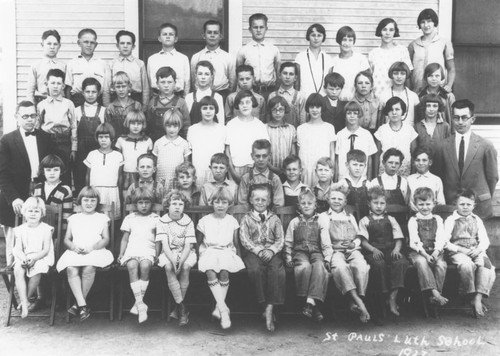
{"x": 154, "y": 142}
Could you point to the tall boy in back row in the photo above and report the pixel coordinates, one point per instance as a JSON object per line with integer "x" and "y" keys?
{"x": 264, "y": 57}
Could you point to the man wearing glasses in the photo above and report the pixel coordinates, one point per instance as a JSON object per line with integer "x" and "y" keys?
{"x": 20, "y": 153}
{"x": 466, "y": 160}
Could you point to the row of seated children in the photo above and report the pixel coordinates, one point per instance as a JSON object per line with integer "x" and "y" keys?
{"x": 313, "y": 244}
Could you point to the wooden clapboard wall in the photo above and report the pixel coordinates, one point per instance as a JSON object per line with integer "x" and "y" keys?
{"x": 68, "y": 17}
{"x": 289, "y": 20}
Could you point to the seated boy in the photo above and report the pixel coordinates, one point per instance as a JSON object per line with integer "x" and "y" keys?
{"x": 185, "y": 183}
{"x": 348, "y": 266}
{"x": 383, "y": 239}
{"x": 262, "y": 238}
{"x": 304, "y": 251}
{"x": 422, "y": 161}
{"x": 57, "y": 117}
{"x": 245, "y": 79}
{"x": 293, "y": 186}
{"x": 324, "y": 172}
{"x": 146, "y": 168}
{"x": 427, "y": 244}
{"x": 219, "y": 164}
{"x": 334, "y": 108}
{"x": 355, "y": 182}
{"x": 85, "y": 66}
{"x": 466, "y": 244}
{"x": 295, "y": 99}
{"x": 351, "y": 137}
{"x": 261, "y": 174}
{"x": 170, "y": 57}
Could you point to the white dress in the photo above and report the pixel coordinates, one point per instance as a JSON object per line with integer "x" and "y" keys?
{"x": 176, "y": 234}
{"x": 142, "y": 233}
{"x": 217, "y": 251}
{"x": 87, "y": 230}
{"x": 32, "y": 242}
{"x": 314, "y": 143}
{"x": 349, "y": 68}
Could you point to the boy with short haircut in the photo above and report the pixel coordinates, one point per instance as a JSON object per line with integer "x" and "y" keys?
{"x": 351, "y": 137}
{"x": 383, "y": 238}
{"x": 57, "y": 117}
{"x": 427, "y": 243}
{"x": 219, "y": 164}
{"x": 134, "y": 67}
{"x": 168, "y": 56}
{"x": 245, "y": 79}
{"x": 324, "y": 172}
{"x": 117, "y": 111}
{"x": 334, "y": 107}
{"x": 466, "y": 244}
{"x": 348, "y": 266}
{"x": 296, "y": 100}
{"x": 185, "y": 183}
{"x": 262, "y": 239}
{"x": 146, "y": 169}
{"x": 395, "y": 186}
{"x": 293, "y": 186}
{"x": 85, "y": 66}
{"x": 356, "y": 182}
{"x": 224, "y": 81}
{"x": 422, "y": 160}
{"x": 264, "y": 57}
{"x": 261, "y": 174}
{"x": 163, "y": 101}
{"x": 37, "y": 75}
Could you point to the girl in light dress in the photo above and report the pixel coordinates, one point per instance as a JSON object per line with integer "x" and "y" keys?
{"x": 219, "y": 251}
{"x": 33, "y": 252}
{"x": 86, "y": 240}
{"x": 315, "y": 139}
{"x": 206, "y": 138}
{"x": 137, "y": 250}
{"x": 105, "y": 167}
{"x": 134, "y": 144}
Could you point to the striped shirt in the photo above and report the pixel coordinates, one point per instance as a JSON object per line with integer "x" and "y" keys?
{"x": 282, "y": 138}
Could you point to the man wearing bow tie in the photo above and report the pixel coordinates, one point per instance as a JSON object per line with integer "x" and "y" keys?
{"x": 20, "y": 153}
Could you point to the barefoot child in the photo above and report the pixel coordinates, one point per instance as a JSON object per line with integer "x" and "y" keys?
{"x": 219, "y": 251}
{"x": 262, "y": 237}
{"x": 348, "y": 266}
{"x": 304, "y": 251}
{"x": 86, "y": 240}
{"x": 33, "y": 253}
{"x": 427, "y": 244}
{"x": 383, "y": 238}
{"x": 137, "y": 250}
{"x": 175, "y": 240}
{"x": 466, "y": 244}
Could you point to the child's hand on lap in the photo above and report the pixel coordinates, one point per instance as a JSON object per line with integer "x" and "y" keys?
{"x": 327, "y": 265}
{"x": 266, "y": 255}
{"x": 396, "y": 255}
{"x": 474, "y": 253}
{"x": 377, "y": 254}
{"x": 434, "y": 256}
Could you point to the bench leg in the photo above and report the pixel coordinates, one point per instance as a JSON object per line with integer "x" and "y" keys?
{"x": 12, "y": 283}
{"x": 7, "y": 285}
{"x": 424, "y": 304}
{"x": 54, "y": 298}
{"x": 112, "y": 295}
{"x": 163, "y": 303}
{"x": 120, "y": 297}
{"x": 68, "y": 299}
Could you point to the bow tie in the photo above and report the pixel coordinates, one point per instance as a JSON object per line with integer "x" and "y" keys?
{"x": 32, "y": 133}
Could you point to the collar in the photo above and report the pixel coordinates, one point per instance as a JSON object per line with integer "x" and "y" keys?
{"x": 224, "y": 182}
{"x": 141, "y": 138}
{"x": 143, "y": 181}
{"x": 423, "y": 175}
{"x": 90, "y": 59}
{"x": 369, "y": 98}
{"x": 272, "y": 123}
{"x": 466, "y": 136}
{"x": 256, "y": 172}
{"x": 385, "y": 176}
{"x": 172, "y": 52}
{"x": 324, "y": 190}
{"x": 255, "y": 215}
{"x": 441, "y": 92}
{"x": 183, "y": 221}
{"x": 49, "y": 60}
{"x": 256, "y": 44}
{"x": 51, "y": 99}
{"x": 333, "y": 213}
{"x": 129, "y": 58}
{"x": 457, "y": 216}
{"x": 314, "y": 217}
{"x": 419, "y": 41}
{"x": 301, "y": 185}
{"x": 419, "y": 216}
{"x": 87, "y": 105}
{"x": 117, "y": 103}
{"x": 22, "y": 131}
{"x": 290, "y": 91}
{"x": 378, "y": 216}
{"x": 175, "y": 142}
{"x": 217, "y": 50}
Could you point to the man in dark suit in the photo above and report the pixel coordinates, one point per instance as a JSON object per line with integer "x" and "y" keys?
{"x": 466, "y": 160}
{"x": 20, "y": 153}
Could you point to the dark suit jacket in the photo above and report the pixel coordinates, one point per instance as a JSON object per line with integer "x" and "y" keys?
{"x": 15, "y": 170}
{"x": 480, "y": 171}
{"x": 334, "y": 115}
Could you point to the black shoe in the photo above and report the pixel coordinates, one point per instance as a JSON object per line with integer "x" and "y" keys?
{"x": 84, "y": 313}
{"x": 308, "y": 310}
{"x": 183, "y": 315}
{"x": 317, "y": 316}
{"x": 73, "y": 310}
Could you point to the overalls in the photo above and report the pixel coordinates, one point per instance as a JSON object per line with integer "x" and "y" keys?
{"x": 155, "y": 126}
{"x": 358, "y": 197}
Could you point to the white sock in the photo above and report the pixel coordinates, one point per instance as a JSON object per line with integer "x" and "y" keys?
{"x": 310, "y": 301}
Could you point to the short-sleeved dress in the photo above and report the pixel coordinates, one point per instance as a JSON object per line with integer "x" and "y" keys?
{"x": 104, "y": 170}
{"x": 349, "y": 68}
{"x": 398, "y": 139}
{"x": 282, "y": 139}
{"x": 314, "y": 143}
{"x": 32, "y": 242}
{"x": 87, "y": 230}
{"x": 381, "y": 60}
{"x": 176, "y": 233}
{"x": 131, "y": 149}
{"x": 170, "y": 154}
{"x": 217, "y": 251}
{"x": 141, "y": 241}
{"x": 205, "y": 141}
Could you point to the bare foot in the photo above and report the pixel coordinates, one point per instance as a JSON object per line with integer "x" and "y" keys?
{"x": 438, "y": 300}
{"x": 364, "y": 316}
{"x": 354, "y": 307}
{"x": 269, "y": 318}
{"x": 24, "y": 310}
{"x": 477, "y": 308}
{"x": 393, "y": 306}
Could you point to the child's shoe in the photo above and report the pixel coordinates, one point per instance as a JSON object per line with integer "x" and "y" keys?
{"x": 183, "y": 315}
{"x": 216, "y": 314}
{"x": 134, "y": 309}
{"x": 317, "y": 316}
{"x": 143, "y": 312}
{"x": 225, "y": 321}
{"x": 84, "y": 313}
{"x": 174, "y": 314}
{"x": 73, "y": 310}
{"x": 308, "y": 310}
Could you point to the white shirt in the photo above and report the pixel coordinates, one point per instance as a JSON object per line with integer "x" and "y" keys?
{"x": 240, "y": 137}
{"x": 363, "y": 141}
{"x": 313, "y": 71}
{"x": 458, "y": 138}
{"x": 200, "y": 94}
{"x": 32, "y": 149}
{"x": 390, "y": 183}
{"x": 428, "y": 180}
{"x": 177, "y": 61}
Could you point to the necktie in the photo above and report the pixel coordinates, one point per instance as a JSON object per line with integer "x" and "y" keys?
{"x": 352, "y": 138}
{"x": 32, "y": 133}
{"x": 461, "y": 153}
{"x": 262, "y": 217}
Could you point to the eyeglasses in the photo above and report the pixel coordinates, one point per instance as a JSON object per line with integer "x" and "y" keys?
{"x": 278, "y": 110}
{"x": 32, "y": 116}
{"x": 462, "y": 118}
